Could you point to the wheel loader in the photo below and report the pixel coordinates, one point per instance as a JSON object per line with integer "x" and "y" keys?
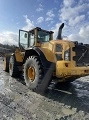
{"x": 41, "y": 59}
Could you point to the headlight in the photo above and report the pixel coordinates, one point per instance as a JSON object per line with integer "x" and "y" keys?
{"x": 67, "y": 55}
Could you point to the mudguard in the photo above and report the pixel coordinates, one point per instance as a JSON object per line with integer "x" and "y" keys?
{"x": 37, "y": 51}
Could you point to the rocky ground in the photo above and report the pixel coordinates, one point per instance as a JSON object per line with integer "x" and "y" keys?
{"x": 17, "y": 102}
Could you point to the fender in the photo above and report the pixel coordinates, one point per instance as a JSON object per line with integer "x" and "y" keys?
{"x": 47, "y": 60}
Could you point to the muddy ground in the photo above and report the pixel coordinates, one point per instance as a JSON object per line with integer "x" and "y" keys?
{"x": 17, "y": 102}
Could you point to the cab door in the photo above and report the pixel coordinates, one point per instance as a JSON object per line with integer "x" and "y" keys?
{"x": 23, "y": 44}
{"x": 23, "y": 39}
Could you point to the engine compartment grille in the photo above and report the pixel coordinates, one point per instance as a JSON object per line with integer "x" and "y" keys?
{"x": 81, "y": 55}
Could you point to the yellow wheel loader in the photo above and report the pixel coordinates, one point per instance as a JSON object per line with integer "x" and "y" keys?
{"x": 41, "y": 59}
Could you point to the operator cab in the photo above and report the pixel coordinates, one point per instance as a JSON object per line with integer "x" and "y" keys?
{"x": 34, "y": 37}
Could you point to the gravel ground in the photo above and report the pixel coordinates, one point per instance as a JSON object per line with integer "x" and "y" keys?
{"x": 17, "y": 102}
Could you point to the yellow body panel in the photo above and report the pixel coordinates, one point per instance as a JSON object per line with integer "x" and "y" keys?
{"x": 19, "y": 55}
{"x": 48, "y": 51}
{"x": 64, "y": 72}
{"x": 48, "y": 54}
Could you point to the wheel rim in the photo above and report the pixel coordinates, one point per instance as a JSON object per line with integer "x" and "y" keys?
{"x": 31, "y": 73}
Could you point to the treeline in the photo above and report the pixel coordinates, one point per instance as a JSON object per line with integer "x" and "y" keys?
{"x": 11, "y": 47}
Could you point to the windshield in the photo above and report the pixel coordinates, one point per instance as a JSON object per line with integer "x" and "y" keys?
{"x": 43, "y": 36}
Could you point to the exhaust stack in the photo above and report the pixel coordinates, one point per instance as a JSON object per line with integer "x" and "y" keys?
{"x": 60, "y": 31}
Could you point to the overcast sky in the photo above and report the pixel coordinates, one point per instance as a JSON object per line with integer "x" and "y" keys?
{"x": 47, "y": 14}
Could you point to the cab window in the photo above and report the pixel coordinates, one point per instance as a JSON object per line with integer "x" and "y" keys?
{"x": 43, "y": 36}
{"x": 31, "y": 38}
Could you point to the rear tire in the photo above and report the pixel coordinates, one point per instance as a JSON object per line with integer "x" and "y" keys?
{"x": 6, "y": 63}
{"x": 33, "y": 81}
{"x": 13, "y": 70}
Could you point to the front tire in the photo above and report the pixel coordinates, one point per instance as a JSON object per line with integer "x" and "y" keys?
{"x": 33, "y": 72}
{"x": 6, "y": 63}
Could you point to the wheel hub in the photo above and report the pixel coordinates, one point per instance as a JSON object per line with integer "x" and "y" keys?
{"x": 31, "y": 73}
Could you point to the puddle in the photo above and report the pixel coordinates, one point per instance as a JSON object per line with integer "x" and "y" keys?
{"x": 67, "y": 111}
